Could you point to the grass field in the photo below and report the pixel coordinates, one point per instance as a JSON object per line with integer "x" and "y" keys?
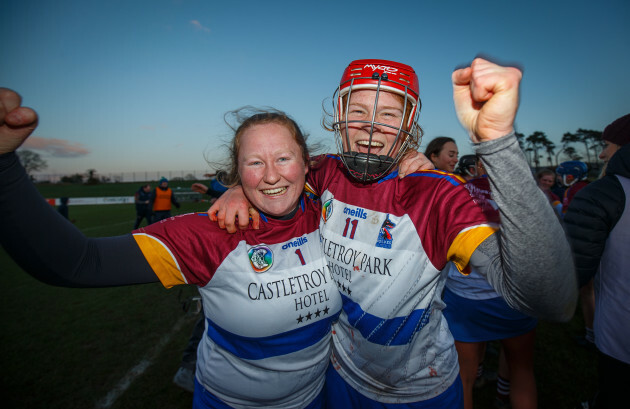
{"x": 70, "y": 348}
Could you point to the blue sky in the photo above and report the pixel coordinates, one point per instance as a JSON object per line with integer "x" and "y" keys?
{"x": 124, "y": 86}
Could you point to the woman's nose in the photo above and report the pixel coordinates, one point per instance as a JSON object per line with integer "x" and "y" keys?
{"x": 271, "y": 174}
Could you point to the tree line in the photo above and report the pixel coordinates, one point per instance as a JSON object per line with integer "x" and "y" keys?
{"x": 537, "y": 146}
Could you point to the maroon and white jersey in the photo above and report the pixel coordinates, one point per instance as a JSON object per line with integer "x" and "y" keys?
{"x": 386, "y": 244}
{"x": 268, "y": 299}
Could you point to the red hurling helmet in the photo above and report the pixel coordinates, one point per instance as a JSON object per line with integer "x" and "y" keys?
{"x": 380, "y": 76}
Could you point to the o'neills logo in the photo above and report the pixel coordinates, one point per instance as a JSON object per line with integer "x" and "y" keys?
{"x": 261, "y": 258}
{"x": 383, "y": 68}
{"x": 295, "y": 243}
{"x": 358, "y": 212}
{"x": 327, "y": 209}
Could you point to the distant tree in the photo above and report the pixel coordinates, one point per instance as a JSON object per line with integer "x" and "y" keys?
{"x": 568, "y": 139}
{"x": 549, "y": 148}
{"x": 521, "y": 140}
{"x": 596, "y": 143}
{"x": 190, "y": 176}
{"x": 573, "y": 154}
{"x": 32, "y": 161}
{"x": 536, "y": 142}
{"x": 91, "y": 177}
{"x": 528, "y": 154}
{"x": 76, "y": 178}
{"x": 586, "y": 137}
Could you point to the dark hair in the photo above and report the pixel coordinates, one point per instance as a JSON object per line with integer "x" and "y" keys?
{"x": 244, "y": 118}
{"x": 436, "y": 145}
{"x": 544, "y": 172}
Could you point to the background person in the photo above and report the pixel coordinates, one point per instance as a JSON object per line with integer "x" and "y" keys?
{"x": 469, "y": 167}
{"x": 262, "y": 348}
{"x": 573, "y": 174}
{"x": 589, "y": 224}
{"x": 615, "y": 136}
{"x": 63, "y": 206}
{"x": 391, "y": 345}
{"x": 477, "y": 314}
{"x": 215, "y": 188}
{"x": 442, "y": 151}
{"x": 546, "y": 178}
{"x": 142, "y": 199}
{"x": 162, "y": 199}
{"x": 598, "y": 227}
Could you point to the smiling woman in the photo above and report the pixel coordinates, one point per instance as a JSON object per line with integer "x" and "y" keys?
{"x": 272, "y": 174}
{"x": 268, "y": 299}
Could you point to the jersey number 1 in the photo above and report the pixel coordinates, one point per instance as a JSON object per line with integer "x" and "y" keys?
{"x": 299, "y": 254}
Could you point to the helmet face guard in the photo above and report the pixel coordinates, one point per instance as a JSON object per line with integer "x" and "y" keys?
{"x": 380, "y": 76}
{"x": 467, "y": 165}
{"x": 572, "y": 171}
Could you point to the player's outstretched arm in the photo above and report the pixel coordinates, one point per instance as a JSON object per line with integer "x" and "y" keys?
{"x": 41, "y": 241}
{"x": 199, "y": 188}
{"x": 16, "y": 122}
{"x": 529, "y": 261}
{"x": 486, "y": 99}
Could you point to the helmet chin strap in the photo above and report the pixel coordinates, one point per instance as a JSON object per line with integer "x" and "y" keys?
{"x": 367, "y": 167}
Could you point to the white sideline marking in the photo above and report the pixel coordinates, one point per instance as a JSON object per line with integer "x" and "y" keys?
{"x": 139, "y": 369}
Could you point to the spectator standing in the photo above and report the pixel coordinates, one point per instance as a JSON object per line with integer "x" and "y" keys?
{"x": 143, "y": 200}
{"x": 598, "y": 227}
{"x": 573, "y": 173}
{"x": 614, "y": 136}
{"x": 63, "y": 207}
{"x": 162, "y": 199}
{"x": 546, "y": 178}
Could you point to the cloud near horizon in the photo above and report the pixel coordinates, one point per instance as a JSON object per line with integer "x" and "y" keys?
{"x": 60, "y": 148}
{"x": 199, "y": 26}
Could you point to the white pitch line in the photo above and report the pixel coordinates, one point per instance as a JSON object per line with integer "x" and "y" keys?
{"x": 139, "y": 369}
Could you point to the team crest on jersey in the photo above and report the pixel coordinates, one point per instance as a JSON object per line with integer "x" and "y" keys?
{"x": 261, "y": 258}
{"x": 327, "y": 209}
{"x": 385, "y": 237}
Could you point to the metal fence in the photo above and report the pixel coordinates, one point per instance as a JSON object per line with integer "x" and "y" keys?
{"x": 120, "y": 177}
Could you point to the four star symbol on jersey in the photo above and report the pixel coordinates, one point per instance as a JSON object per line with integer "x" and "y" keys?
{"x": 300, "y": 319}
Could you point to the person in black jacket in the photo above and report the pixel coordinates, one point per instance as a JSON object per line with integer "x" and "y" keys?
{"x": 142, "y": 200}
{"x": 598, "y": 228}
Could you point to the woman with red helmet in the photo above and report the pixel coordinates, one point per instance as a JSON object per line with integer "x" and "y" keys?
{"x": 387, "y": 239}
